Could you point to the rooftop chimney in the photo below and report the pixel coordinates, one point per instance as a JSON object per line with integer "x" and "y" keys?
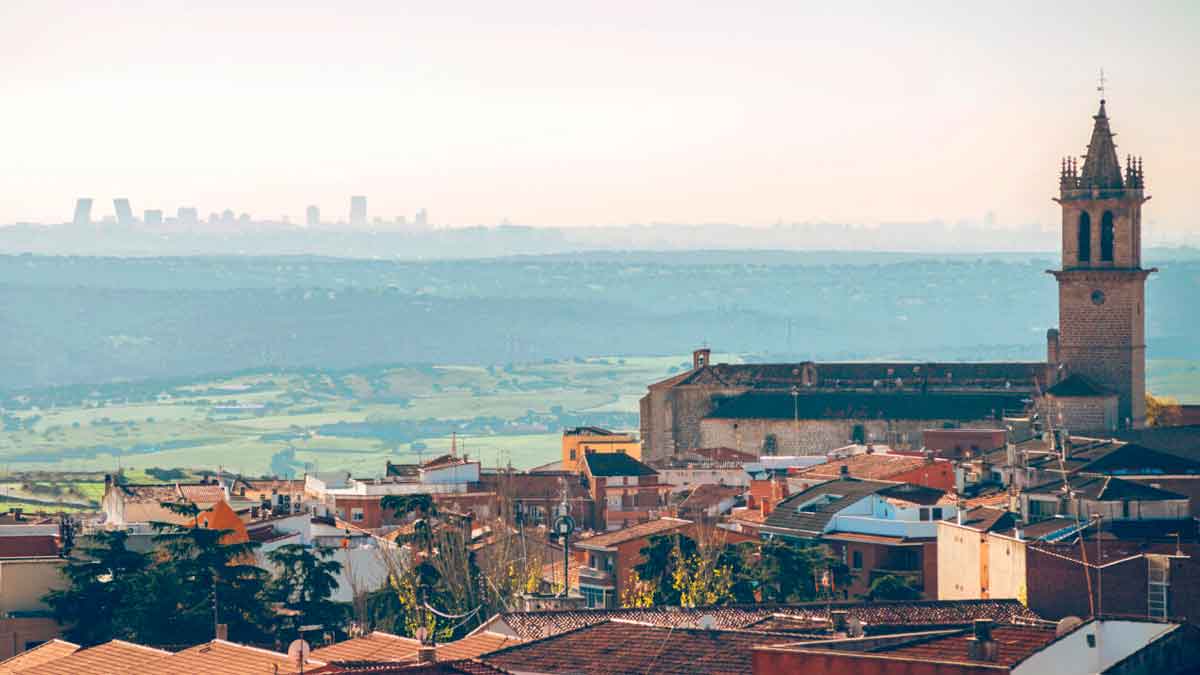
{"x": 840, "y": 619}
{"x": 700, "y": 358}
{"x": 426, "y": 654}
{"x": 981, "y": 646}
{"x": 844, "y": 470}
{"x": 222, "y": 631}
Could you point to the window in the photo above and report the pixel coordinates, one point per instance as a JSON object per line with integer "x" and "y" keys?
{"x": 1041, "y": 509}
{"x": 859, "y": 434}
{"x": 572, "y": 453}
{"x": 856, "y": 560}
{"x": 937, "y": 513}
{"x": 1106, "y": 237}
{"x": 816, "y": 503}
{"x": 594, "y": 597}
{"x": 356, "y": 515}
{"x": 924, "y": 513}
{"x": 1085, "y": 237}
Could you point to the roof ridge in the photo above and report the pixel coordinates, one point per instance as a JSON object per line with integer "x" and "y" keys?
{"x": 130, "y": 644}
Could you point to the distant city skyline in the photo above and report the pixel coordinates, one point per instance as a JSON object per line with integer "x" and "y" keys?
{"x": 593, "y": 114}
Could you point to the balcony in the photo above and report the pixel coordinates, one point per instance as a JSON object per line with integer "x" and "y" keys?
{"x": 590, "y": 576}
{"x": 905, "y": 529}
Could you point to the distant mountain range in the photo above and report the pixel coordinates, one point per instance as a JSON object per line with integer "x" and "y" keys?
{"x": 71, "y": 320}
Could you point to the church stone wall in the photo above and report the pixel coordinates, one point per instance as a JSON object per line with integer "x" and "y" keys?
{"x": 811, "y": 437}
{"x": 1106, "y": 341}
{"x": 1079, "y": 414}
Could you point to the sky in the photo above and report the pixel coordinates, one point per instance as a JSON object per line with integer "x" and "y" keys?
{"x": 590, "y": 113}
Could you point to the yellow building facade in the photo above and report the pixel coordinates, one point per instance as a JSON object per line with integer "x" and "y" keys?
{"x": 579, "y": 440}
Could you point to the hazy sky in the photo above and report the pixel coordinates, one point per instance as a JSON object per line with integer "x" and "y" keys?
{"x": 568, "y": 112}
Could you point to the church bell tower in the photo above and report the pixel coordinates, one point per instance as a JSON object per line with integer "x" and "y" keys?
{"x": 1101, "y": 286}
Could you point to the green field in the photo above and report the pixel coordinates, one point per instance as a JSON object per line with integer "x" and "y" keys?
{"x": 510, "y": 415}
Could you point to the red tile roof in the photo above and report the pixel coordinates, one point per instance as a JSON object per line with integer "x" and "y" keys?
{"x": 44, "y": 653}
{"x": 116, "y": 656}
{"x": 629, "y": 647}
{"x": 534, "y": 625}
{"x": 220, "y": 657}
{"x": 872, "y": 466}
{"x": 377, "y": 646}
{"x": 647, "y": 529}
{"x": 474, "y": 645}
{"x": 1016, "y": 643}
{"x": 28, "y": 546}
{"x": 464, "y": 667}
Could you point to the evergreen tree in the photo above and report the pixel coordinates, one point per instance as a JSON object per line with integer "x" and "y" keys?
{"x": 220, "y": 584}
{"x": 306, "y": 581}
{"x": 102, "y": 578}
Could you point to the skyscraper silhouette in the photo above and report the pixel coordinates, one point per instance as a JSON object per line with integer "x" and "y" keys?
{"x": 358, "y": 210}
{"x": 83, "y": 211}
{"x": 123, "y": 211}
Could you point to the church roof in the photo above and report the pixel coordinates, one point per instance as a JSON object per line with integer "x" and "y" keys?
{"x": 958, "y": 376}
{"x": 1078, "y": 385}
{"x": 1101, "y": 168}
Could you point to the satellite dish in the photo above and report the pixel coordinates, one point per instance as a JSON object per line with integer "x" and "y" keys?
{"x": 1066, "y": 625}
{"x": 708, "y": 622}
{"x": 298, "y": 650}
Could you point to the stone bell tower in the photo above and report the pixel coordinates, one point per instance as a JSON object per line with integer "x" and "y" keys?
{"x": 1101, "y": 286}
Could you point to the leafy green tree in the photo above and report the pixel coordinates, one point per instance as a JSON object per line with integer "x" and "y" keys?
{"x": 307, "y": 579}
{"x": 893, "y": 587}
{"x": 742, "y": 561}
{"x": 102, "y": 577}
{"x": 657, "y": 568}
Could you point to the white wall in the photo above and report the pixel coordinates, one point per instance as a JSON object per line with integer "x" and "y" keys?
{"x": 959, "y": 556}
{"x": 1006, "y": 568}
{"x": 1115, "y": 640}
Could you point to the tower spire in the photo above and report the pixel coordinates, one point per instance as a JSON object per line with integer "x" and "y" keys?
{"x": 1101, "y": 168}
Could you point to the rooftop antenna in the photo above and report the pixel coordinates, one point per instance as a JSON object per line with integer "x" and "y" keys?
{"x": 1100, "y": 84}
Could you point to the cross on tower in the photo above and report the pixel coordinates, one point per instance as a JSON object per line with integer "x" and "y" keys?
{"x": 1102, "y": 80}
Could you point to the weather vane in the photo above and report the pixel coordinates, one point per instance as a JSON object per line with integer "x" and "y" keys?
{"x": 1100, "y": 87}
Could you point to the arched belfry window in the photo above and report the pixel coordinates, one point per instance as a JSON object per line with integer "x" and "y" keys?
{"x": 1085, "y": 237}
{"x": 1106, "y": 237}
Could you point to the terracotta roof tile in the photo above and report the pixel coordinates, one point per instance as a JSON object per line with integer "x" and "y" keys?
{"x": 377, "y": 646}
{"x": 220, "y": 657}
{"x": 116, "y": 656}
{"x": 203, "y": 494}
{"x": 627, "y": 647}
{"x": 465, "y": 667}
{"x": 534, "y": 625}
{"x": 28, "y": 546}
{"x": 1016, "y": 643}
{"x": 44, "y": 653}
{"x": 872, "y": 466}
{"x": 649, "y": 528}
{"x": 474, "y": 645}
